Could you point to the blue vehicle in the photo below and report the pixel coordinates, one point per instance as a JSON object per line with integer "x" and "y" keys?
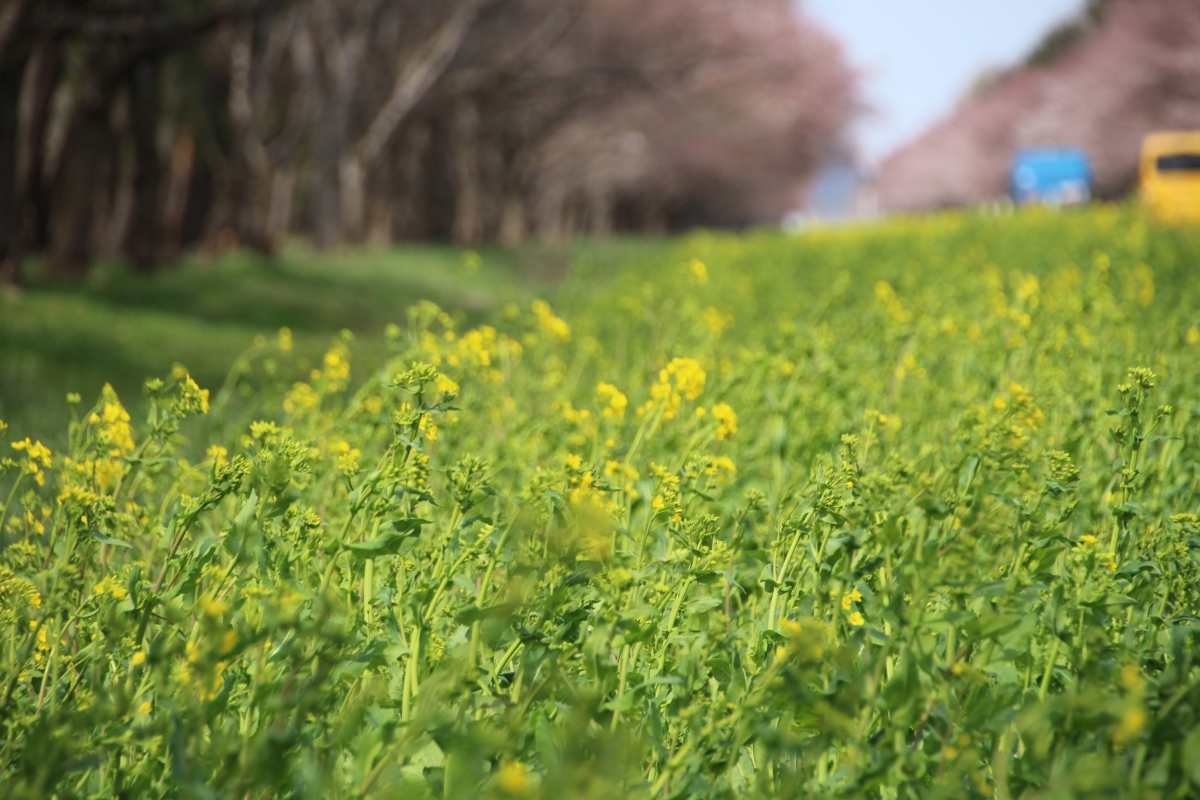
{"x": 1051, "y": 176}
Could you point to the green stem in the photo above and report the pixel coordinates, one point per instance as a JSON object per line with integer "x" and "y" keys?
{"x": 1045, "y": 688}
{"x": 12, "y": 496}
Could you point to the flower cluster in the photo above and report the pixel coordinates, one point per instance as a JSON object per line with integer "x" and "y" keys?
{"x": 681, "y": 378}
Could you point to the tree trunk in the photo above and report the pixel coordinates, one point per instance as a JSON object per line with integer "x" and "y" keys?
{"x": 411, "y": 218}
{"x": 179, "y": 184}
{"x": 467, "y": 227}
{"x": 279, "y": 213}
{"x": 41, "y": 78}
{"x": 114, "y": 208}
{"x": 551, "y": 220}
{"x": 600, "y": 206}
{"x": 146, "y": 234}
{"x": 513, "y": 226}
{"x": 380, "y": 199}
{"x": 353, "y": 200}
{"x": 331, "y": 137}
{"x": 88, "y": 153}
{"x": 10, "y": 213}
{"x": 14, "y": 27}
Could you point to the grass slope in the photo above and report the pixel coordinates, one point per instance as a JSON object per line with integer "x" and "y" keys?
{"x": 121, "y": 328}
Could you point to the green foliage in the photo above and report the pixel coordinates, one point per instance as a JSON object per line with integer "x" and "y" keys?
{"x": 905, "y": 511}
{"x": 123, "y": 326}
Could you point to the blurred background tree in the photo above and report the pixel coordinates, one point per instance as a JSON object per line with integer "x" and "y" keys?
{"x": 1101, "y": 82}
{"x": 137, "y": 128}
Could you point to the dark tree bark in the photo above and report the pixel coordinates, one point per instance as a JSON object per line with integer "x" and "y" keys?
{"x": 146, "y": 232}
{"x": 43, "y": 72}
{"x": 413, "y": 176}
{"x": 327, "y": 207}
{"x": 89, "y": 155}
{"x": 467, "y": 227}
{"x": 10, "y": 216}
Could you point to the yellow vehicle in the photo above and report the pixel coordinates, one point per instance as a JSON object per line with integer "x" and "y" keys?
{"x": 1170, "y": 175}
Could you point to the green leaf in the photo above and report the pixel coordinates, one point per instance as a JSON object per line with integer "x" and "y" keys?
{"x": 472, "y": 614}
{"x": 408, "y": 524}
{"x": 720, "y": 668}
{"x": 102, "y": 539}
{"x": 390, "y": 544}
{"x": 994, "y": 627}
{"x": 244, "y": 516}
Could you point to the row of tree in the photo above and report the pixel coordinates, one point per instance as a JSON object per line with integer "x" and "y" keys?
{"x": 1122, "y": 69}
{"x": 139, "y": 127}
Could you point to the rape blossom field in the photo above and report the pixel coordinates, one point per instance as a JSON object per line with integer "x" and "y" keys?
{"x": 900, "y": 511}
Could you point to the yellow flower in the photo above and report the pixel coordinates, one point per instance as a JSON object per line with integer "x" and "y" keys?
{"x": 263, "y": 429}
{"x": 212, "y": 607}
{"x": 446, "y": 385}
{"x": 43, "y": 645}
{"x": 551, "y": 323}
{"x": 1132, "y": 723}
{"x": 614, "y": 400}
{"x": 285, "y": 340}
{"x": 699, "y": 271}
{"x": 144, "y": 708}
{"x": 1088, "y": 539}
{"x": 115, "y": 431}
{"x": 111, "y": 585}
{"x": 301, "y": 398}
{"x": 192, "y": 397}
{"x": 689, "y": 378}
{"x": 218, "y": 454}
{"x": 347, "y": 462}
{"x": 138, "y": 659}
{"x": 337, "y": 368}
{"x": 513, "y": 777}
{"x": 856, "y": 619}
{"x": 720, "y": 463}
{"x": 727, "y": 418}
{"x": 1131, "y": 677}
{"x": 716, "y": 322}
{"x": 36, "y": 451}
{"x": 17, "y": 594}
{"x": 1192, "y": 336}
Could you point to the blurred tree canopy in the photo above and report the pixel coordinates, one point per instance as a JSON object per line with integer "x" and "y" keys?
{"x": 1102, "y": 81}
{"x": 137, "y": 128}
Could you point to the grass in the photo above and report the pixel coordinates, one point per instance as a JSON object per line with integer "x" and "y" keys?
{"x": 909, "y": 510}
{"x": 122, "y": 328}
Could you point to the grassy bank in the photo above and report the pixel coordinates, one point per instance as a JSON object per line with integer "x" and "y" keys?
{"x": 908, "y": 510}
{"x": 122, "y": 328}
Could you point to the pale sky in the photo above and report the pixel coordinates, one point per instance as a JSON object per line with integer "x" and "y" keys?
{"x": 917, "y": 57}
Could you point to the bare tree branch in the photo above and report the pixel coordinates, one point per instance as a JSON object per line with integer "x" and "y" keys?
{"x": 14, "y": 13}
{"x": 417, "y": 76}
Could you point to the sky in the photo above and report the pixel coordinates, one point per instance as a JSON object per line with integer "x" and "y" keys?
{"x": 917, "y": 57}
